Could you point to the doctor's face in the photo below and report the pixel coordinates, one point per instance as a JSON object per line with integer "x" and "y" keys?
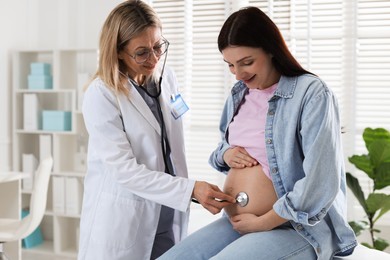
{"x": 140, "y": 55}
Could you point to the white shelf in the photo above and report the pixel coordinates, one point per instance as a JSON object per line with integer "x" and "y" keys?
{"x": 22, "y": 131}
{"x": 45, "y": 91}
{"x": 46, "y": 248}
{"x": 70, "y": 174}
{"x": 59, "y": 229}
{"x": 45, "y": 251}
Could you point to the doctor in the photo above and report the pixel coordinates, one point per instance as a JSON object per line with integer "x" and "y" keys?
{"x": 137, "y": 194}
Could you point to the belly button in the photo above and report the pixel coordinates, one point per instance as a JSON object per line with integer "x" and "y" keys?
{"x": 242, "y": 199}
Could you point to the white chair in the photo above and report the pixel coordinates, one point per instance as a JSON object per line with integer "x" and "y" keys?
{"x": 16, "y": 229}
{"x": 364, "y": 253}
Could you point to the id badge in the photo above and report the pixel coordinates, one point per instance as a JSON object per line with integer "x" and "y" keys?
{"x": 178, "y": 106}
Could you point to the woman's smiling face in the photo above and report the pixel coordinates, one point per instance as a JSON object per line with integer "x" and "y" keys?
{"x": 251, "y": 65}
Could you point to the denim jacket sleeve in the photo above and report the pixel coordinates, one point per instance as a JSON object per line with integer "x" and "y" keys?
{"x": 216, "y": 157}
{"x": 315, "y": 180}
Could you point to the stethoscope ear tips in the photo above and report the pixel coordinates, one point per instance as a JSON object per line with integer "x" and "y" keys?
{"x": 242, "y": 199}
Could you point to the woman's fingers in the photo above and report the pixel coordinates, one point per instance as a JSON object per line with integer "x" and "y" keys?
{"x": 238, "y": 157}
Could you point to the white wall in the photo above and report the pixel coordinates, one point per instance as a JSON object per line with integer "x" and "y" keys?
{"x": 11, "y": 26}
{"x": 43, "y": 24}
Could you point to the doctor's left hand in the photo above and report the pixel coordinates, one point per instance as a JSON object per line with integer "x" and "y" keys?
{"x": 211, "y": 197}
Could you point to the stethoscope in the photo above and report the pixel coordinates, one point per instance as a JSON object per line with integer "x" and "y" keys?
{"x": 242, "y": 199}
{"x": 165, "y": 147}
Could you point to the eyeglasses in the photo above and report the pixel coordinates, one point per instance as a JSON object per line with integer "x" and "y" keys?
{"x": 143, "y": 55}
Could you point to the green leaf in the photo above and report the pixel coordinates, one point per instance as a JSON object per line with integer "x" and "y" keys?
{"x": 359, "y": 226}
{"x": 375, "y": 201}
{"x": 382, "y": 176}
{"x": 380, "y": 244}
{"x": 370, "y": 135}
{"x": 379, "y": 151}
{"x": 363, "y": 162}
{"x": 385, "y": 207}
{"x": 353, "y": 184}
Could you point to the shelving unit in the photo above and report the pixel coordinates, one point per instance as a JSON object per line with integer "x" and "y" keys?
{"x": 68, "y": 69}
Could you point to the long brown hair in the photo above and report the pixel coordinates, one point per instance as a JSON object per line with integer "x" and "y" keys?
{"x": 251, "y": 27}
{"x": 125, "y": 22}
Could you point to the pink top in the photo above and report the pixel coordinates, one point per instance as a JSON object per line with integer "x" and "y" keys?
{"x": 247, "y": 129}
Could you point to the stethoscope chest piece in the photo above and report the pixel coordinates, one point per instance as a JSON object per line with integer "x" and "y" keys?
{"x": 242, "y": 199}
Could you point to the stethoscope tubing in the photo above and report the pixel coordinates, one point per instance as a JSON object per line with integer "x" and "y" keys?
{"x": 164, "y": 141}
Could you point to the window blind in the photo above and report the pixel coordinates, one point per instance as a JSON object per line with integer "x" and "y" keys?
{"x": 192, "y": 28}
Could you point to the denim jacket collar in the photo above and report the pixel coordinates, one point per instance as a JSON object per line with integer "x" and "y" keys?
{"x": 285, "y": 89}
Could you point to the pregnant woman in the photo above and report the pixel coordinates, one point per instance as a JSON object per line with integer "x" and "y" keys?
{"x": 281, "y": 146}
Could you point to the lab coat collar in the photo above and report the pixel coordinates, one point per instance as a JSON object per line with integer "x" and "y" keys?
{"x": 139, "y": 103}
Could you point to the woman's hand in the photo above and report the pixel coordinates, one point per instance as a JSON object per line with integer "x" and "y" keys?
{"x": 248, "y": 223}
{"x": 211, "y": 197}
{"x": 238, "y": 157}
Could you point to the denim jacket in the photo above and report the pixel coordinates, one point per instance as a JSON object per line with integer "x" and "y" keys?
{"x": 303, "y": 145}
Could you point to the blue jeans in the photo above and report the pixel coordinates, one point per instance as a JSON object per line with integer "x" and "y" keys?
{"x": 218, "y": 241}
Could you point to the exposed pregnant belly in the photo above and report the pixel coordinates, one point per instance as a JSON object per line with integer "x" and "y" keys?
{"x": 256, "y": 184}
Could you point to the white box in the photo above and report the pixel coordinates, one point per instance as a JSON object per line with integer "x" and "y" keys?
{"x": 45, "y": 147}
{"x": 31, "y": 112}
{"x": 73, "y": 195}
{"x": 29, "y": 165}
{"x": 59, "y": 194}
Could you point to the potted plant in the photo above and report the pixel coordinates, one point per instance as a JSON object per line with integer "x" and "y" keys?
{"x": 376, "y": 164}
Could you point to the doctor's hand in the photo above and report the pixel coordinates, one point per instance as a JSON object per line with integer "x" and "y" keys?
{"x": 211, "y": 197}
{"x": 238, "y": 157}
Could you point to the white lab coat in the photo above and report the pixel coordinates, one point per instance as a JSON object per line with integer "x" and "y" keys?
{"x": 125, "y": 184}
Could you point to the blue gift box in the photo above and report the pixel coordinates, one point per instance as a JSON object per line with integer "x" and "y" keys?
{"x": 40, "y": 68}
{"x": 56, "y": 120}
{"x": 40, "y": 82}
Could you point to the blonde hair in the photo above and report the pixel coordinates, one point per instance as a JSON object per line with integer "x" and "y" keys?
{"x": 125, "y": 22}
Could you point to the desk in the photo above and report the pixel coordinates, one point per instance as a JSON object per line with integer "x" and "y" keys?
{"x": 10, "y": 204}
{"x": 12, "y": 176}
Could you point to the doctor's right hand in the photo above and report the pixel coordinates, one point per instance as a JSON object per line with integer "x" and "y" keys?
{"x": 211, "y": 197}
